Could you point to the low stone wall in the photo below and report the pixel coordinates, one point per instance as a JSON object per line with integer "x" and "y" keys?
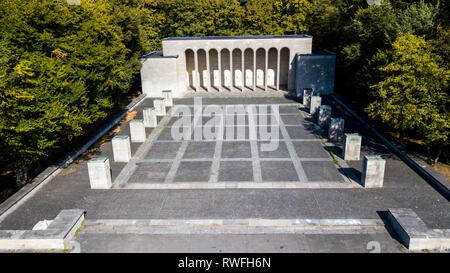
{"x": 56, "y": 236}
{"x": 415, "y": 234}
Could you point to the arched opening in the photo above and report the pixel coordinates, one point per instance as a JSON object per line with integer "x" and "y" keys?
{"x": 225, "y": 68}
{"x": 248, "y": 68}
{"x": 284, "y": 68}
{"x": 190, "y": 68}
{"x": 260, "y": 67}
{"x": 272, "y": 69}
{"x": 237, "y": 75}
{"x": 202, "y": 68}
{"x": 214, "y": 68}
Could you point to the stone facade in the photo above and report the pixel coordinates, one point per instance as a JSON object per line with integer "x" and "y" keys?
{"x": 236, "y": 63}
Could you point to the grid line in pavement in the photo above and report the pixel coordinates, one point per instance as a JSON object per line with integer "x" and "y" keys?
{"x": 271, "y": 177}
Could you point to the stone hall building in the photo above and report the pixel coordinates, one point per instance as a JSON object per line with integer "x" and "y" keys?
{"x": 237, "y": 64}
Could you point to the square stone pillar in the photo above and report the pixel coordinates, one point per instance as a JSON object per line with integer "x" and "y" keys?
{"x": 121, "y": 148}
{"x": 137, "y": 130}
{"x": 336, "y": 129}
{"x": 307, "y": 93}
{"x": 352, "y": 146}
{"x": 150, "y": 119}
{"x": 324, "y": 116}
{"x": 372, "y": 175}
{"x": 168, "y": 99}
{"x": 99, "y": 173}
{"x": 160, "y": 106}
{"x": 314, "y": 104}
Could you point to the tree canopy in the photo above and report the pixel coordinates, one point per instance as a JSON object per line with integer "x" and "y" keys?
{"x": 413, "y": 95}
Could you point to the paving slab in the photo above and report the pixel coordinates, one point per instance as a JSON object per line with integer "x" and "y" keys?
{"x": 163, "y": 150}
{"x": 152, "y": 172}
{"x": 193, "y": 171}
{"x": 302, "y": 132}
{"x": 197, "y": 149}
{"x": 236, "y": 171}
{"x": 321, "y": 171}
{"x": 236, "y": 149}
{"x": 278, "y": 171}
{"x": 280, "y": 151}
{"x": 310, "y": 149}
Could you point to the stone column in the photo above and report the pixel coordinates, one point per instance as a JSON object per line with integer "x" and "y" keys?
{"x": 242, "y": 70}
{"x": 231, "y": 70}
{"x": 160, "y": 106}
{"x": 195, "y": 76}
{"x": 150, "y": 119}
{"x": 254, "y": 70}
{"x": 352, "y": 146}
{"x": 99, "y": 173}
{"x": 219, "y": 58}
{"x": 336, "y": 129}
{"x": 314, "y": 105}
{"x": 121, "y": 148}
{"x": 324, "y": 116}
{"x": 278, "y": 69}
{"x": 137, "y": 130}
{"x": 307, "y": 93}
{"x": 208, "y": 82}
{"x": 168, "y": 100}
{"x": 373, "y": 171}
{"x": 265, "y": 70}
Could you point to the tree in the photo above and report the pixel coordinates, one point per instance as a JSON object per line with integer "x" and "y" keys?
{"x": 413, "y": 96}
{"x": 275, "y": 17}
{"x": 201, "y": 18}
{"x": 419, "y": 18}
{"x": 65, "y": 66}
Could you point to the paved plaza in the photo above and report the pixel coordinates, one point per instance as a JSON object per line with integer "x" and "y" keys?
{"x": 252, "y": 146}
{"x": 232, "y": 176}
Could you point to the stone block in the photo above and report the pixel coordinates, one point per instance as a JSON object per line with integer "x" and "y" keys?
{"x": 324, "y": 116}
{"x": 57, "y": 235}
{"x": 352, "y": 146}
{"x": 336, "y": 129}
{"x": 150, "y": 119}
{"x": 372, "y": 175}
{"x": 307, "y": 93}
{"x": 99, "y": 173}
{"x": 121, "y": 148}
{"x": 168, "y": 99}
{"x": 137, "y": 130}
{"x": 413, "y": 232}
{"x": 160, "y": 106}
{"x": 314, "y": 105}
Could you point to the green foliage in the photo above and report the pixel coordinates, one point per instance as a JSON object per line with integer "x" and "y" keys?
{"x": 62, "y": 68}
{"x": 441, "y": 45}
{"x": 275, "y": 17}
{"x": 419, "y": 19}
{"x": 371, "y": 32}
{"x": 413, "y": 95}
{"x": 200, "y": 18}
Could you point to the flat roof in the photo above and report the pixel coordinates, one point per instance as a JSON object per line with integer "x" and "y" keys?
{"x": 237, "y": 37}
{"x": 156, "y": 54}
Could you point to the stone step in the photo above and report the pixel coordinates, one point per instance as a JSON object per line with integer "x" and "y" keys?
{"x": 235, "y": 226}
